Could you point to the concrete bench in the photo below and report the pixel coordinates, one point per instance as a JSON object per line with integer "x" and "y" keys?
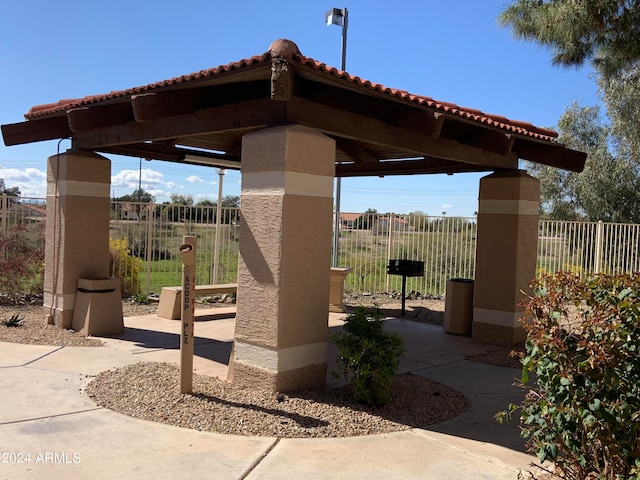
{"x": 171, "y": 297}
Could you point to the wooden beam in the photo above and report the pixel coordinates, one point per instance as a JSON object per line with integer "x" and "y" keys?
{"x": 371, "y": 130}
{"x": 407, "y": 167}
{"x": 88, "y": 118}
{"x": 559, "y": 156}
{"x": 36, "y": 130}
{"x": 154, "y": 151}
{"x": 493, "y": 140}
{"x": 437, "y": 129}
{"x": 151, "y": 106}
{"x": 402, "y": 113}
{"x": 354, "y": 151}
{"x": 238, "y": 116}
{"x": 281, "y": 80}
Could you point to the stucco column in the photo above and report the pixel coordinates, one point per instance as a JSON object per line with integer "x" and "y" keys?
{"x": 285, "y": 258}
{"x": 505, "y": 254}
{"x": 77, "y": 233}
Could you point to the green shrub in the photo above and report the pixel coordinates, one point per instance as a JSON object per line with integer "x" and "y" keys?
{"x": 582, "y": 409}
{"x": 141, "y": 298}
{"x": 368, "y": 356}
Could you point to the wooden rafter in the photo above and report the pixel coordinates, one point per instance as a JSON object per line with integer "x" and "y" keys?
{"x": 354, "y": 126}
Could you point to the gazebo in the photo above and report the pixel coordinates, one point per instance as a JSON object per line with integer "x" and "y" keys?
{"x": 291, "y": 124}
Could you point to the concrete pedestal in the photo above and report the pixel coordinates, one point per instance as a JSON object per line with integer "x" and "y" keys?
{"x": 98, "y": 309}
{"x": 336, "y": 289}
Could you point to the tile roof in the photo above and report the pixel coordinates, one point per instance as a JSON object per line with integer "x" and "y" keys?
{"x": 498, "y": 121}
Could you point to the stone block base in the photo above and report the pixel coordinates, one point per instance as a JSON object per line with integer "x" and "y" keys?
{"x": 60, "y": 318}
{"x": 498, "y": 334}
{"x": 312, "y": 376}
{"x": 98, "y": 307}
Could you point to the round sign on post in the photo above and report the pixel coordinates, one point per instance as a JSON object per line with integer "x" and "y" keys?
{"x": 188, "y": 254}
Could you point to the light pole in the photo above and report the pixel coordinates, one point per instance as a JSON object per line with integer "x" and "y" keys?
{"x": 216, "y": 245}
{"x": 337, "y": 16}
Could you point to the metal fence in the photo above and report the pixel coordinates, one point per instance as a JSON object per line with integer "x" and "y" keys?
{"x": 144, "y": 240}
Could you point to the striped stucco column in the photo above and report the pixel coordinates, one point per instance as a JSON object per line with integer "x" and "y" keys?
{"x": 285, "y": 258}
{"x": 506, "y": 253}
{"x": 77, "y": 232}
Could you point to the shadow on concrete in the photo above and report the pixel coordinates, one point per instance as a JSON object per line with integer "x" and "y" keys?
{"x": 207, "y": 348}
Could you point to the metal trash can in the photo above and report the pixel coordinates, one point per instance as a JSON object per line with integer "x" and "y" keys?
{"x": 98, "y": 307}
{"x": 458, "y": 307}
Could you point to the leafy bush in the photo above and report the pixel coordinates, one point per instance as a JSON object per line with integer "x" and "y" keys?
{"x": 124, "y": 265}
{"x": 367, "y": 356}
{"x": 22, "y": 260}
{"x": 582, "y": 411}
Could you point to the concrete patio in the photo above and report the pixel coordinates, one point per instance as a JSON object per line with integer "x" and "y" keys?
{"x": 46, "y": 415}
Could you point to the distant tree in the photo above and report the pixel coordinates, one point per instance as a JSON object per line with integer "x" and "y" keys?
{"x": 607, "y": 190}
{"x": 10, "y": 192}
{"x": 418, "y": 220}
{"x": 179, "y": 199}
{"x": 366, "y": 220}
{"x": 603, "y": 32}
{"x": 138, "y": 195}
{"x": 231, "y": 201}
{"x": 206, "y": 203}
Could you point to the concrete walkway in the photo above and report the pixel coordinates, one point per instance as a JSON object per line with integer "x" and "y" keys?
{"x": 50, "y": 429}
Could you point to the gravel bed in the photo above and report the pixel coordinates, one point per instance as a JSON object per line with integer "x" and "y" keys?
{"x": 150, "y": 391}
{"x": 36, "y": 331}
{"x": 418, "y": 307}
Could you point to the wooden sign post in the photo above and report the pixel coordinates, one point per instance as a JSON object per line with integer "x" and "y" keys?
{"x": 187, "y": 309}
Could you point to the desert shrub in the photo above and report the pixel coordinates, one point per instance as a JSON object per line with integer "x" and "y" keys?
{"x": 12, "y": 321}
{"x": 22, "y": 260}
{"x": 582, "y": 407}
{"x": 368, "y": 356}
{"x": 124, "y": 265}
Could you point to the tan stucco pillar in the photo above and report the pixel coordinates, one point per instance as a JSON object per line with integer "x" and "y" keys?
{"x": 285, "y": 255}
{"x": 77, "y": 234}
{"x": 506, "y": 253}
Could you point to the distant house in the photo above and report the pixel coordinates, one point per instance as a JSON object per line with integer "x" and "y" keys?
{"x": 130, "y": 215}
{"x": 347, "y": 220}
{"x": 400, "y": 224}
{"x": 28, "y": 212}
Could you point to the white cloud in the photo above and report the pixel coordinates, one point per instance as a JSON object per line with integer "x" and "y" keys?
{"x": 194, "y": 179}
{"x": 447, "y": 205}
{"x": 31, "y": 181}
{"x": 130, "y": 179}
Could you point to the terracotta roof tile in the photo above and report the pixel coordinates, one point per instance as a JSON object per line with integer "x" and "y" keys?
{"x": 498, "y": 121}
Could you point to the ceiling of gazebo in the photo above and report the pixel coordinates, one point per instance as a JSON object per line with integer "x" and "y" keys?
{"x": 201, "y": 118}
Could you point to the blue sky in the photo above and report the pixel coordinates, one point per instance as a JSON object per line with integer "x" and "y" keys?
{"x": 450, "y": 50}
